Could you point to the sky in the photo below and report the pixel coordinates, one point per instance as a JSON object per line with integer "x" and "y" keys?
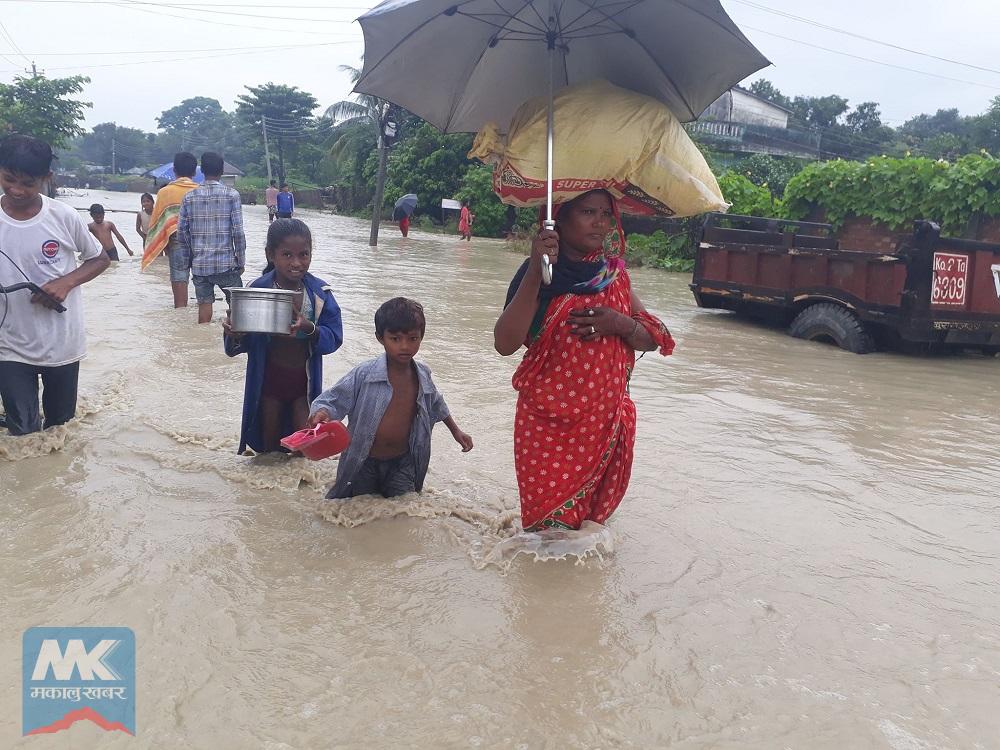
{"x": 145, "y": 56}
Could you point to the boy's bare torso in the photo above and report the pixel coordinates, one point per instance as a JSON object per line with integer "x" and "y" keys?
{"x": 392, "y": 438}
{"x": 103, "y": 234}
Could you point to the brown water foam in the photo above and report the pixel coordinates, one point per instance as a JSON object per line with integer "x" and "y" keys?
{"x": 489, "y": 538}
{"x": 114, "y": 397}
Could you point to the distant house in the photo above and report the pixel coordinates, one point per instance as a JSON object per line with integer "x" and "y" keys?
{"x": 165, "y": 173}
{"x": 741, "y": 122}
{"x": 744, "y": 107}
{"x": 230, "y": 174}
{"x": 135, "y": 171}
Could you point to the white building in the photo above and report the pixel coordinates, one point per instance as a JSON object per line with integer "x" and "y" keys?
{"x": 741, "y": 122}
{"x": 740, "y": 106}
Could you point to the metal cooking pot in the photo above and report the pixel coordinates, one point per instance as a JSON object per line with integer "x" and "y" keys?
{"x": 261, "y": 310}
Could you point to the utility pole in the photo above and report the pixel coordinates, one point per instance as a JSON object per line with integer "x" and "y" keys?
{"x": 267, "y": 152}
{"x": 113, "y": 170}
{"x": 387, "y": 126}
{"x": 35, "y": 73}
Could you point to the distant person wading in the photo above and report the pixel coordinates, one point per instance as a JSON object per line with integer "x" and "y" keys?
{"x": 285, "y": 202}
{"x": 210, "y": 236}
{"x": 161, "y": 236}
{"x": 271, "y": 200}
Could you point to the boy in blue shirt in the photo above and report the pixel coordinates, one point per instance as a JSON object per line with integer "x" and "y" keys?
{"x": 286, "y": 202}
{"x": 392, "y": 405}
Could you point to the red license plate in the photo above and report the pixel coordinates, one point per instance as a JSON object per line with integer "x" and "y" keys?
{"x": 951, "y": 279}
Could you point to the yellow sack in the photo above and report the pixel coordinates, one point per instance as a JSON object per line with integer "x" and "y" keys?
{"x": 605, "y": 138}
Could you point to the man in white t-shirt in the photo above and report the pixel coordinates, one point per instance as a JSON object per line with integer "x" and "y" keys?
{"x": 40, "y": 240}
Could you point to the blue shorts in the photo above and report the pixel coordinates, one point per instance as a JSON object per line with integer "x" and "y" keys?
{"x": 179, "y": 273}
{"x": 388, "y": 477}
{"x": 204, "y": 286}
{"x": 19, "y": 392}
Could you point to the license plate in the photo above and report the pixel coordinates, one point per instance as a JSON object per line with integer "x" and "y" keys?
{"x": 951, "y": 279}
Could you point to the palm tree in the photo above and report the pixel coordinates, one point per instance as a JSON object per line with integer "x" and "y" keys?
{"x": 376, "y": 115}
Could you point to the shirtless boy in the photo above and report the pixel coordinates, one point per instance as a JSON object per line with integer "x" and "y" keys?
{"x": 392, "y": 405}
{"x": 103, "y": 230}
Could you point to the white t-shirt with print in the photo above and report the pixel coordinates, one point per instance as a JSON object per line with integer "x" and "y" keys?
{"x": 45, "y": 247}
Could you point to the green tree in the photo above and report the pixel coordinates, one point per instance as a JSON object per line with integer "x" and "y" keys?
{"x": 944, "y": 146}
{"x": 746, "y": 198}
{"x": 767, "y": 90}
{"x": 986, "y": 128}
{"x": 43, "y": 107}
{"x": 198, "y": 115}
{"x": 945, "y": 134}
{"x": 819, "y": 111}
{"x": 365, "y": 120}
{"x": 944, "y": 121}
{"x": 863, "y": 133}
{"x": 771, "y": 172}
{"x": 351, "y": 143}
{"x": 493, "y": 218}
{"x": 430, "y": 164}
{"x": 287, "y": 111}
{"x": 866, "y": 118}
{"x": 108, "y": 144}
{"x": 199, "y": 122}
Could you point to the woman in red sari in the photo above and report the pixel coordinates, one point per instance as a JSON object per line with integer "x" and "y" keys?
{"x": 465, "y": 219}
{"x": 574, "y": 428}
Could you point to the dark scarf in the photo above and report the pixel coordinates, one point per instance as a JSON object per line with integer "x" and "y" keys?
{"x": 571, "y": 276}
{"x": 568, "y": 277}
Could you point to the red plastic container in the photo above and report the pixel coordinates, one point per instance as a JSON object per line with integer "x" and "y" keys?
{"x": 322, "y": 441}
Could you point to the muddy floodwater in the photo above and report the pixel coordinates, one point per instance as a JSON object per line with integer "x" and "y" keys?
{"x": 808, "y": 555}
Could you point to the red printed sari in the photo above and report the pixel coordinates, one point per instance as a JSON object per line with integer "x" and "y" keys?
{"x": 575, "y": 424}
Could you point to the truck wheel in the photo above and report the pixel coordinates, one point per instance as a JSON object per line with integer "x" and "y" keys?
{"x": 832, "y": 324}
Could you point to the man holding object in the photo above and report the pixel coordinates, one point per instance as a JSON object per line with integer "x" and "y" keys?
{"x": 39, "y": 239}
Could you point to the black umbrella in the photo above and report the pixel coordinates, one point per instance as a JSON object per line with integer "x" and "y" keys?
{"x": 404, "y": 207}
{"x": 485, "y": 57}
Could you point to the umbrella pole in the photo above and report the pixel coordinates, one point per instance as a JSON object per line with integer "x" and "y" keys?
{"x": 550, "y": 138}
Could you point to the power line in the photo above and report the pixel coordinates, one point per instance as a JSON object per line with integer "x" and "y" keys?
{"x": 307, "y": 132}
{"x": 300, "y": 136}
{"x": 281, "y": 120}
{"x": 846, "y": 32}
{"x": 9, "y": 61}
{"x": 195, "y": 5}
{"x": 189, "y": 58}
{"x": 135, "y": 6}
{"x": 280, "y": 123}
{"x": 305, "y": 129}
{"x": 13, "y": 44}
{"x": 176, "y": 51}
{"x": 291, "y": 124}
{"x": 811, "y": 45}
{"x": 244, "y": 15}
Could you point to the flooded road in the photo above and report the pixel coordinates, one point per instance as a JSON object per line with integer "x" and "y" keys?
{"x": 807, "y": 557}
